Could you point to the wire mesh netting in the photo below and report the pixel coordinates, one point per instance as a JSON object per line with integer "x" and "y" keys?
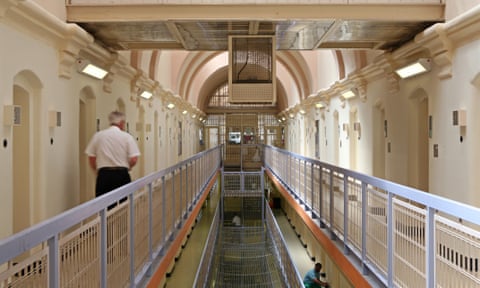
{"x": 247, "y": 251}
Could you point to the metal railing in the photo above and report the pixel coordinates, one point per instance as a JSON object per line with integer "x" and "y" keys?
{"x": 204, "y": 269}
{"x": 289, "y": 270}
{"x": 406, "y": 237}
{"x": 94, "y": 246}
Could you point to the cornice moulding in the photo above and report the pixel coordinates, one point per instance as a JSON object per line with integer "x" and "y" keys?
{"x": 74, "y": 40}
{"x": 6, "y": 5}
{"x": 441, "y": 48}
{"x": 464, "y": 28}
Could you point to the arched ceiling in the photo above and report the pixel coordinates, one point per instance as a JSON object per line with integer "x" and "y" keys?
{"x": 219, "y": 77}
{"x": 203, "y": 72}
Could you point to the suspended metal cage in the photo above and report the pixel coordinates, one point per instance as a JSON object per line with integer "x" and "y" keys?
{"x": 251, "y": 72}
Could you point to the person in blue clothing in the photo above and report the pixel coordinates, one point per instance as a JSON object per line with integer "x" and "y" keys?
{"x": 312, "y": 278}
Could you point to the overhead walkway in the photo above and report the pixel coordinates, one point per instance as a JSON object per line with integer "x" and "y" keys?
{"x": 356, "y": 225}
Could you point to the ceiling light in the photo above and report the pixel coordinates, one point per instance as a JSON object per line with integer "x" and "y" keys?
{"x": 283, "y": 119}
{"x": 193, "y": 116}
{"x": 184, "y": 112}
{"x": 146, "y": 94}
{"x": 421, "y": 66}
{"x": 348, "y": 94}
{"x": 302, "y": 111}
{"x": 291, "y": 115}
{"x": 170, "y": 106}
{"x": 319, "y": 105}
{"x": 88, "y": 68}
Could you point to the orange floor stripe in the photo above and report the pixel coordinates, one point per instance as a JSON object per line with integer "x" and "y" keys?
{"x": 350, "y": 272}
{"x": 176, "y": 245}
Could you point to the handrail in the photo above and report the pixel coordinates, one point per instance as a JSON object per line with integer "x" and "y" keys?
{"x": 405, "y": 236}
{"x": 201, "y": 166}
{"x": 290, "y": 271}
{"x": 203, "y": 270}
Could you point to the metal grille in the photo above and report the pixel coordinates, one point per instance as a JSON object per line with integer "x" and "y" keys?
{"x": 377, "y": 228}
{"x": 220, "y": 99}
{"x": 252, "y": 60}
{"x": 245, "y": 258}
{"x": 355, "y": 213}
{"x": 458, "y": 254}
{"x": 338, "y": 191}
{"x": 243, "y": 197}
{"x": 409, "y": 244}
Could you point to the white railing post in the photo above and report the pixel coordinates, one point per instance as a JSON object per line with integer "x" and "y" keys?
{"x": 364, "y": 226}
{"x": 164, "y": 221}
{"x": 174, "y": 201}
{"x": 181, "y": 195}
{"x": 345, "y": 213}
{"x": 103, "y": 248}
{"x": 312, "y": 189}
{"x": 132, "y": 240}
{"x": 53, "y": 266}
{"x": 430, "y": 249}
{"x": 332, "y": 207}
{"x": 390, "y": 240}
{"x": 150, "y": 227}
{"x": 320, "y": 198}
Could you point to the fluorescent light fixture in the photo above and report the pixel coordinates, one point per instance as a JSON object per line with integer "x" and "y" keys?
{"x": 184, "y": 112}
{"x": 279, "y": 120}
{"x": 146, "y": 94}
{"x": 348, "y": 94}
{"x": 421, "y": 66}
{"x": 302, "y": 111}
{"x": 170, "y": 106}
{"x": 319, "y": 105}
{"x": 88, "y": 68}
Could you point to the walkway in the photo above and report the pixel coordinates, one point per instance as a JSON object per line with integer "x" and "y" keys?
{"x": 183, "y": 274}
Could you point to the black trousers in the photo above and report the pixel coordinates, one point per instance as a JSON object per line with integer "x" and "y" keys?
{"x": 110, "y": 178}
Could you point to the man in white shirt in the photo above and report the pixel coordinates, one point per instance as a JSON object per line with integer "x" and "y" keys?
{"x": 112, "y": 152}
{"x": 236, "y": 220}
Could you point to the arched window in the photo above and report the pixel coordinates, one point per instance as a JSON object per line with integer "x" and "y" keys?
{"x": 219, "y": 99}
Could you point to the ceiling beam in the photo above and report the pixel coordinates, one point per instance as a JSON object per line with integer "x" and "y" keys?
{"x": 234, "y": 12}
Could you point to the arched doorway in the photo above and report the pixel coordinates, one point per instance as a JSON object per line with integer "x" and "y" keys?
{"x": 156, "y": 141}
{"x": 418, "y": 141}
{"x": 21, "y": 162}
{"x": 353, "y": 138}
{"x": 379, "y": 135}
{"x": 86, "y": 130}
{"x": 140, "y": 127}
{"x": 336, "y": 139}
{"x": 27, "y": 179}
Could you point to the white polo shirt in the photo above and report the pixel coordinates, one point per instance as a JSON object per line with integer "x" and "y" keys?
{"x": 112, "y": 147}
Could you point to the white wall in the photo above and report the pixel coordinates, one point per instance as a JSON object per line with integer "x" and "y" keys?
{"x": 39, "y": 57}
